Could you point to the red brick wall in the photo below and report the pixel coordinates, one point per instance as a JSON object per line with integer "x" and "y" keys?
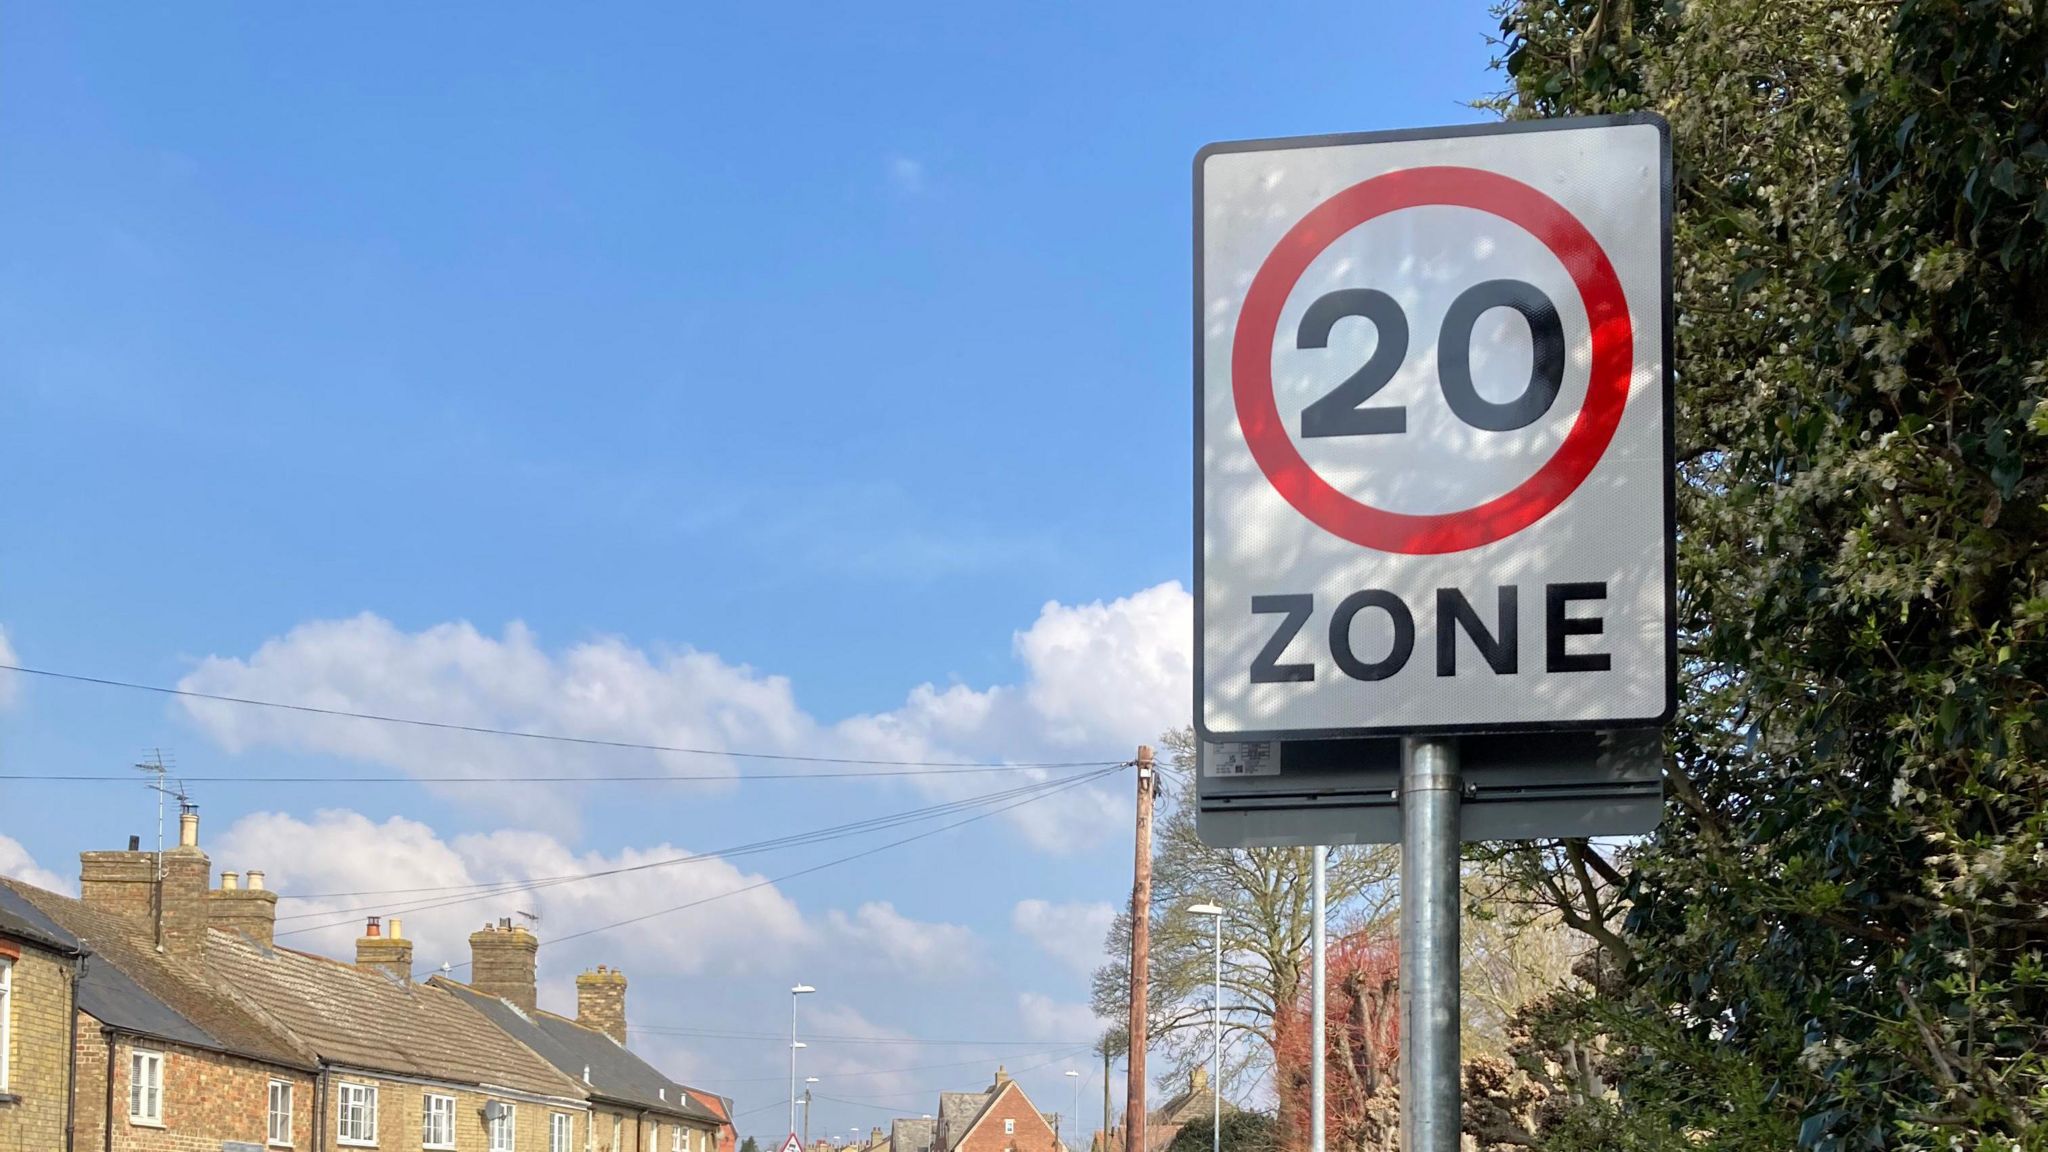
{"x": 207, "y": 1097}
{"x": 1033, "y": 1133}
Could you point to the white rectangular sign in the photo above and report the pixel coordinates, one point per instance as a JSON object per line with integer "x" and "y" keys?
{"x": 1433, "y": 419}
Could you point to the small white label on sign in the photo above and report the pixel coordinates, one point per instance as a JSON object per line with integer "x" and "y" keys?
{"x": 1259, "y": 758}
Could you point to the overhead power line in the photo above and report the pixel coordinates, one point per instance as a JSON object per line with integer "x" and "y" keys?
{"x": 468, "y": 894}
{"x": 810, "y": 1037}
{"x": 1065, "y": 785}
{"x": 580, "y": 778}
{"x": 515, "y": 733}
{"x": 1057, "y": 1054}
{"x": 495, "y": 887}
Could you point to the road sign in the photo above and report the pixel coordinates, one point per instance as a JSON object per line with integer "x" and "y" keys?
{"x": 792, "y": 1144}
{"x": 1517, "y": 786}
{"x": 1433, "y": 426}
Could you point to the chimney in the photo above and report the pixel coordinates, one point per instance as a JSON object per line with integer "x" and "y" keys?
{"x": 1002, "y": 1078}
{"x": 173, "y": 914}
{"x": 875, "y": 1138}
{"x": 249, "y": 910}
{"x": 601, "y": 1002}
{"x": 390, "y": 954}
{"x": 501, "y": 963}
{"x": 187, "y": 875}
{"x": 121, "y": 884}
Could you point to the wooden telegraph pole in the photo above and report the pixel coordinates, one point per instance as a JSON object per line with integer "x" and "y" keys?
{"x": 1141, "y": 955}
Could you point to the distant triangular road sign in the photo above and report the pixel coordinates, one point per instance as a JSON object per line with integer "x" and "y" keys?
{"x": 792, "y": 1144}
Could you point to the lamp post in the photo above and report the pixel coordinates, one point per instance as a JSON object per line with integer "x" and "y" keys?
{"x": 1216, "y": 1020}
{"x": 1076, "y": 1078}
{"x": 794, "y": 1044}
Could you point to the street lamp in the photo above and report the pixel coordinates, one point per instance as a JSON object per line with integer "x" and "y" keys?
{"x": 1076, "y": 1078}
{"x": 808, "y": 1081}
{"x": 794, "y": 1044}
{"x": 1216, "y": 1019}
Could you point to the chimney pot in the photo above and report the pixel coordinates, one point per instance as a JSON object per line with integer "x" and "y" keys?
{"x": 601, "y": 1001}
{"x": 241, "y": 905}
{"x": 380, "y": 953}
{"x": 188, "y": 827}
{"x": 501, "y": 964}
{"x": 396, "y": 932}
{"x": 135, "y": 843}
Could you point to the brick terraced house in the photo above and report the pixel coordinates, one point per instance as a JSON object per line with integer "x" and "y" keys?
{"x": 633, "y": 1106}
{"x": 153, "y": 1014}
{"x": 38, "y": 968}
{"x": 999, "y": 1118}
{"x": 162, "y": 1059}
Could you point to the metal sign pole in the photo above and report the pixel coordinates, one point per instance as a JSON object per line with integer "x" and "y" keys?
{"x": 1430, "y": 906}
{"x": 1317, "y": 1042}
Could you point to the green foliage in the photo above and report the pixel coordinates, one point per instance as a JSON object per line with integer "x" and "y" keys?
{"x": 1268, "y": 900}
{"x": 750, "y": 1145}
{"x": 1837, "y": 939}
{"x": 1242, "y": 1132}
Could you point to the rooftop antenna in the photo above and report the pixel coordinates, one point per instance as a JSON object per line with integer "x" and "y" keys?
{"x": 531, "y": 917}
{"x": 163, "y": 785}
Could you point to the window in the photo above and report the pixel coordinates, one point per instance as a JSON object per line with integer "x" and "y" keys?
{"x": 618, "y": 1133}
{"x": 280, "y": 1113}
{"x": 6, "y": 1016}
{"x": 675, "y": 1142}
{"x": 500, "y": 1127}
{"x": 1009, "y": 1127}
{"x": 561, "y": 1126}
{"x": 654, "y": 1137}
{"x": 437, "y": 1121}
{"x": 355, "y": 1114}
{"x": 145, "y": 1087}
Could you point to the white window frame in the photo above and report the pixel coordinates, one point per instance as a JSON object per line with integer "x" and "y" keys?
{"x": 272, "y": 1116}
{"x": 561, "y": 1131}
{"x": 1009, "y": 1127}
{"x": 146, "y": 1087}
{"x": 654, "y": 1137}
{"x": 358, "y": 1095}
{"x": 675, "y": 1140}
{"x": 6, "y": 1016}
{"x": 502, "y": 1134}
{"x": 437, "y": 1106}
{"x": 618, "y": 1133}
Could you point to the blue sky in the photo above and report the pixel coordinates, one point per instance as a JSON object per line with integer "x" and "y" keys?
{"x": 806, "y": 379}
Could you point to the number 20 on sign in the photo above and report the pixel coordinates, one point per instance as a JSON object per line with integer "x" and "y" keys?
{"x": 1433, "y": 425}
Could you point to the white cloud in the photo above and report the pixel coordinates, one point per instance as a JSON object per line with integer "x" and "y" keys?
{"x": 1099, "y": 678}
{"x": 1100, "y": 668}
{"x": 16, "y": 862}
{"x": 878, "y": 932}
{"x": 1045, "y": 1018}
{"x": 906, "y": 175}
{"x": 340, "y": 853}
{"x": 1070, "y": 933}
{"x": 9, "y": 686}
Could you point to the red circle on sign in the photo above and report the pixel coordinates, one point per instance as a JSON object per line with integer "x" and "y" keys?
{"x": 1251, "y": 361}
